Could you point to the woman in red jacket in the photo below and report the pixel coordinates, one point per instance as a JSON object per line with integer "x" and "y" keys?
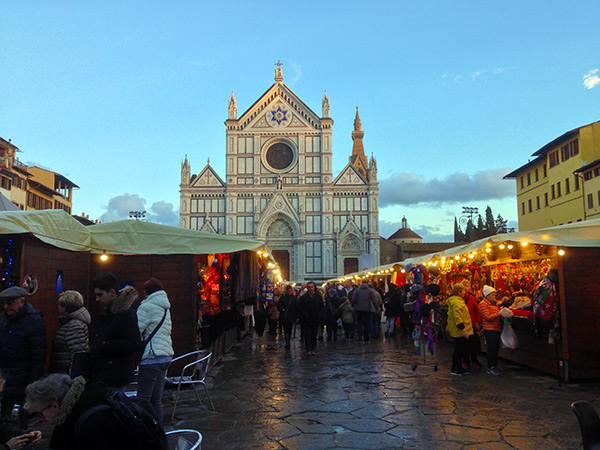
{"x": 473, "y": 344}
{"x": 491, "y": 321}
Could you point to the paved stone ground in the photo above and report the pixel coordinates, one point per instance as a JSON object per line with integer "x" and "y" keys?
{"x": 366, "y": 396}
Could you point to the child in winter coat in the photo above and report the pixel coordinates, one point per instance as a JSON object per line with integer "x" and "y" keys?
{"x": 347, "y": 312}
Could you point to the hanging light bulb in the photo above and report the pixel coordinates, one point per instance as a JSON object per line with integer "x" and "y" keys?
{"x": 509, "y": 246}
{"x": 103, "y": 256}
{"x": 524, "y": 244}
{"x": 561, "y": 252}
{"x": 501, "y": 246}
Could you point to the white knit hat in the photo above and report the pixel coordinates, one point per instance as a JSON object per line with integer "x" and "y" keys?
{"x": 487, "y": 290}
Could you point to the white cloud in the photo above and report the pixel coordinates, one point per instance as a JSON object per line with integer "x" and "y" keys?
{"x": 413, "y": 189}
{"x": 118, "y": 208}
{"x": 591, "y": 79}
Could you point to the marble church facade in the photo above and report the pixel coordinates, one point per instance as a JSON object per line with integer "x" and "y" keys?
{"x": 279, "y": 188}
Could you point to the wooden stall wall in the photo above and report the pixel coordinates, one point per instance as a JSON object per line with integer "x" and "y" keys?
{"x": 44, "y": 261}
{"x": 177, "y": 273}
{"x": 580, "y": 286}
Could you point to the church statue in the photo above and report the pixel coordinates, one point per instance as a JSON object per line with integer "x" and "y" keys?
{"x": 232, "y": 107}
{"x": 325, "y": 105}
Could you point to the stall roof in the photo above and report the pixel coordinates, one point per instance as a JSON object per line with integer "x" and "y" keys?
{"x": 58, "y": 228}
{"x": 579, "y": 234}
{"x": 138, "y": 237}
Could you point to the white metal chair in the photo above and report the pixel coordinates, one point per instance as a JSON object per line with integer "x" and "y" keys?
{"x": 194, "y": 372}
{"x": 184, "y": 439}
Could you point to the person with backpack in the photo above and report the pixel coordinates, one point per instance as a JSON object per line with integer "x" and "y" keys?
{"x": 392, "y": 304}
{"x": 89, "y": 417}
{"x": 154, "y": 322}
{"x": 288, "y": 312}
{"x": 332, "y": 314}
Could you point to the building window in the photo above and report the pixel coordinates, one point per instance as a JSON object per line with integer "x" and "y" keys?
{"x": 362, "y": 222}
{"x": 574, "y": 147}
{"x": 264, "y": 201}
{"x": 597, "y": 172}
{"x": 345, "y": 204}
{"x": 312, "y": 180}
{"x": 245, "y": 145}
{"x": 529, "y": 205}
{"x": 567, "y": 186}
{"x": 248, "y": 180}
{"x": 558, "y": 193}
{"x": 313, "y": 144}
{"x": 553, "y": 159}
{"x": 59, "y": 205}
{"x": 523, "y": 208}
{"x": 290, "y": 180}
{"x": 293, "y": 199}
{"x": 537, "y": 202}
{"x": 34, "y": 201}
{"x": 544, "y": 170}
{"x": 313, "y": 257}
{"x": 6, "y": 183}
{"x": 552, "y": 189}
{"x": 528, "y": 178}
{"x": 339, "y": 222}
{"x": 208, "y": 204}
{"x": 313, "y": 204}
{"x": 245, "y": 225}
{"x": 576, "y": 182}
{"x": 313, "y": 164}
{"x": 313, "y": 224}
{"x": 245, "y": 205}
{"x": 564, "y": 153}
{"x": 545, "y": 199}
{"x": 537, "y": 175}
{"x": 588, "y": 175}
{"x": 590, "y": 198}
{"x": 268, "y": 180}
{"x": 245, "y": 165}
{"x": 218, "y": 223}
{"x": 522, "y": 185}
{"x": 196, "y": 223}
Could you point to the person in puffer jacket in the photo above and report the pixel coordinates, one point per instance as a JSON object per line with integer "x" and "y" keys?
{"x": 72, "y": 334}
{"x": 459, "y": 327}
{"x": 158, "y": 353}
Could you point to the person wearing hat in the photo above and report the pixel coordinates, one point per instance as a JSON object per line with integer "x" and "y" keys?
{"x": 22, "y": 345}
{"x": 459, "y": 327}
{"x": 492, "y": 326}
{"x": 158, "y": 352}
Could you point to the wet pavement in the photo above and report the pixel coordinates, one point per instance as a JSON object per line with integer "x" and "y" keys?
{"x": 367, "y": 396}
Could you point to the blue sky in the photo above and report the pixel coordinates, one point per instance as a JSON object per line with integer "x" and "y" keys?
{"x": 452, "y": 95}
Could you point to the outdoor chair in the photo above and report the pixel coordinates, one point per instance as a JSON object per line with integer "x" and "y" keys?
{"x": 589, "y": 422}
{"x": 193, "y": 373}
{"x": 184, "y": 440}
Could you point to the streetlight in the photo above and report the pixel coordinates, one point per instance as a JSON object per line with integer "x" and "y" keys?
{"x": 468, "y": 213}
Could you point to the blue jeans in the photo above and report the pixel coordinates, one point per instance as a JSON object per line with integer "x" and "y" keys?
{"x": 151, "y": 382}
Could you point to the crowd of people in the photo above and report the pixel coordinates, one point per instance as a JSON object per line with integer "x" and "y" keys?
{"x": 83, "y": 373}
{"x": 323, "y": 312}
{"x": 365, "y": 311}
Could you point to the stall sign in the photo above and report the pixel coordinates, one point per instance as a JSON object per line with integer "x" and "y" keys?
{"x": 59, "y": 281}
{"x": 269, "y": 286}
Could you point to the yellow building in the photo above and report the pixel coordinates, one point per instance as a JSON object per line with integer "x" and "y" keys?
{"x": 550, "y": 188}
{"x": 32, "y": 188}
{"x": 591, "y": 189}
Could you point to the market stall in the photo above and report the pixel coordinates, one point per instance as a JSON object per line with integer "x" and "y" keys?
{"x": 206, "y": 276}
{"x": 550, "y": 277}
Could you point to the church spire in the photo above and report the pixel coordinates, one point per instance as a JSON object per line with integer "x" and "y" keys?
{"x": 358, "y": 158}
{"x": 279, "y": 72}
{"x": 325, "y": 105}
{"x": 232, "y": 107}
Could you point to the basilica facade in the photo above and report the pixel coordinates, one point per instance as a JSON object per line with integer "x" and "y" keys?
{"x": 279, "y": 188}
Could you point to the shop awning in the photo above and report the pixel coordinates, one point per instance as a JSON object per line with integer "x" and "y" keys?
{"x": 58, "y": 228}
{"x": 142, "y": 238}
{"x": 579, "y": 234}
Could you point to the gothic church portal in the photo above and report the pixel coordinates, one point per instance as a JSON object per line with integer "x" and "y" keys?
{"x": 279, "y": 188}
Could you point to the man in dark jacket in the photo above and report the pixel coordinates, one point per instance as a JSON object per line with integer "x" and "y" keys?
{"x": 310, "y": 310}
{"x": 117, "y": 341}
{"x": 288, "y": 312}
{"x": 364, "y": 299}
{"x": 22, "y": 345}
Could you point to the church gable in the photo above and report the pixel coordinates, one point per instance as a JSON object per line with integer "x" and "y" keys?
{"x": 279, "y": 108}
{"x": 208, "y": 227}
{"x": 278, "y": 205}
{"x": 207, "y": 178}
{"x": 349, "y": 176}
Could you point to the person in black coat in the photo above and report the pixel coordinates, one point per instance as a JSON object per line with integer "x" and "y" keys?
{"x": 288, "y": 312}
{"x": 10, "y": 434}
{"x": 332, "y": 313}
{"x": 393, "y": 308}
{"x": 117, "y": 342}
{"x": 22, "y": 345}
{"x": 61, "y": 401}
{"x": 310, "y": 310}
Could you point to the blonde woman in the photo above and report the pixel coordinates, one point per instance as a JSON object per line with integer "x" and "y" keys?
{"x": 72, "y": 334}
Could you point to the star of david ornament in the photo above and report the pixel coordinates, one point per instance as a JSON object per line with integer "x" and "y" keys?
{"x": 278, "y": 115}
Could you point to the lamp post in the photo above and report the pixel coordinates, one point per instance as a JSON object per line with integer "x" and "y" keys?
{"x": 468, "y": 213}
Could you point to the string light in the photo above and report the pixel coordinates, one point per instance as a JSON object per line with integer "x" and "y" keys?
{"x": 561, "y": 252}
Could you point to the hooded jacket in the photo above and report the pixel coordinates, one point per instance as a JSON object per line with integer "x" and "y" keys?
{"x": 117, "y": 341}
{"x": 364, "y": 298}
{"x": 459, "y": 319}
{"x": 71, "y": 337}
{"x": 149, "y": 315}
{"x": 22, "y": 349}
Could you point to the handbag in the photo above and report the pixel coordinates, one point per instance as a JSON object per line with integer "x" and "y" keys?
{"x": 138, "y": 357}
